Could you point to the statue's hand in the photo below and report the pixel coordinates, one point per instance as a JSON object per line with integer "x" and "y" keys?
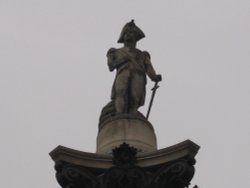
{"x": 157, "y": 78}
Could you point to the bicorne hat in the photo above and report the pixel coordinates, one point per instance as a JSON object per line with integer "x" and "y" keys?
{"x": 130, "y": 26}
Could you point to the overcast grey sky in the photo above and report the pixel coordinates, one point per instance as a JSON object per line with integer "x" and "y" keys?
{"x": 54, "y": 81}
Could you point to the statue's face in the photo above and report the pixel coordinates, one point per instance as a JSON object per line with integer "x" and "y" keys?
{"x": 130, "y": 36}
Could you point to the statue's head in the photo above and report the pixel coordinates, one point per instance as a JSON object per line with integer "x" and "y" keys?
{"x": 131, "y": 28}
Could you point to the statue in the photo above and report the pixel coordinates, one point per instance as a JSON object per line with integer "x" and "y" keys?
{"x": 131, "y": 65}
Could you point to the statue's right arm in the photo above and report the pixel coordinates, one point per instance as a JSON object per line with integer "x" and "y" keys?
{"x": 113, "y": 60}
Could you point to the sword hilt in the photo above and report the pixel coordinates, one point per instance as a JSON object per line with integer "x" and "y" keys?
{"x": 156, "y": 86}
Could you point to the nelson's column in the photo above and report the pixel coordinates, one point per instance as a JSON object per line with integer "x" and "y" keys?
{"x": 127, "y": 154}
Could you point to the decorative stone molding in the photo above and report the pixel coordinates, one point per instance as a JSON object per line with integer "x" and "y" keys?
{"x": 75, "y": 169}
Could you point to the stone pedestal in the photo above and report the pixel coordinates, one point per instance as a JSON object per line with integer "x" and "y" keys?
{"x": 126, "y": 157}
{"x": 137, "y": 132}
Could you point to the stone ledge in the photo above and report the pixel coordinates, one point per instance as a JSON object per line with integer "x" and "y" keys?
{"x": 184, "y": 149}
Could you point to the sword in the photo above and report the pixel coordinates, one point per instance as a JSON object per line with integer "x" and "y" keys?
{"x": 156, "y": 86}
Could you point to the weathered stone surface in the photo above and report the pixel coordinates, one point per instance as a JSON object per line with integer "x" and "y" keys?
{"x": 132, "y": 66}
{"x": 137, "y": 132}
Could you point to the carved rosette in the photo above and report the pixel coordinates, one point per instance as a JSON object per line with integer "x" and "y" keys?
{"x": 124, "y": 155}
{"x": 125, "y": 173}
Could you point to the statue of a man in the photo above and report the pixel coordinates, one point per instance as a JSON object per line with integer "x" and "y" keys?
{"x": 132, "y": 65}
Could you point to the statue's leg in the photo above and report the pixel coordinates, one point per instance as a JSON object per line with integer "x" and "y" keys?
{"x": 136, "y": 93}
{"x": 121, "y": 89}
